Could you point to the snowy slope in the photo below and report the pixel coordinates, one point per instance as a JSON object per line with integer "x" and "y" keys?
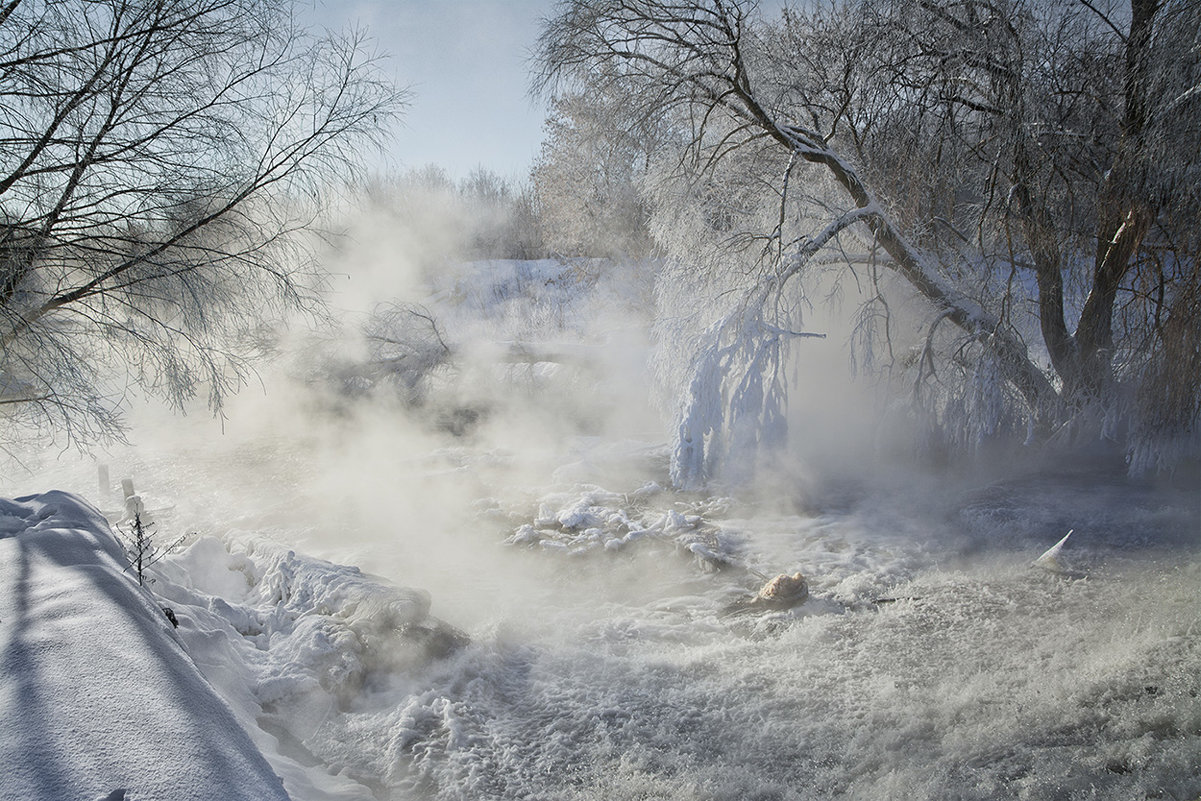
{"x": 97, "y": 698}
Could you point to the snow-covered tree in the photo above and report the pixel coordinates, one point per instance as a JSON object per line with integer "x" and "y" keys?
{"x": 1027, "y": 170}
{"x": 588, "y": 177}
{"x": 404, "y": 347}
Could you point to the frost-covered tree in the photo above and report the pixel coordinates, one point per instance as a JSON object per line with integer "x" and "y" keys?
{"x": 503, "y": 217}
{"x": 404, "y": 347}
{"x": 160, "y": 164}
{"x": 1027, "y": 171}
{"x": 483, "y": 216}
{"x": 588, "y": 176}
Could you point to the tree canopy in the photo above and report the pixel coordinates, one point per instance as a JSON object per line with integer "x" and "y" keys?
{"x": 1028, "y": 170}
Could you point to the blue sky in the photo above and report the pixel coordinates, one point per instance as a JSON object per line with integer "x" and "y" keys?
{"x": 466, "y": 62}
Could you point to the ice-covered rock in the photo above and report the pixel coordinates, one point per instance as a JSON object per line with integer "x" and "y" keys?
{"x": 589, "y": 518}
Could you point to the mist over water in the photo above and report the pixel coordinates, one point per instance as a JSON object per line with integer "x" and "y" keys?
{"x": 932, "y": 660}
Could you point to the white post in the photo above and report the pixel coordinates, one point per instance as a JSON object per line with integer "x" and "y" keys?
{"x": 133, "y": 501}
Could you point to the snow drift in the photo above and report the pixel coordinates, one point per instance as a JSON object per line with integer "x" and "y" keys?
{"x": 98, "y": 700}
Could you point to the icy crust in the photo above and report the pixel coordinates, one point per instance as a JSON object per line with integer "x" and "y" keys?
{"x": 849, "y": 561}
{"x": 955, "y": 669}
{"x": 589, "y": 518}
{"x": 293, "y": 641}
{"x": 97, "y": 698}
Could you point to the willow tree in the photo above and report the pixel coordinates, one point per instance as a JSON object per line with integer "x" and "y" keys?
{"x": 160, "y": 163}
{"x": 1028, "y": 170}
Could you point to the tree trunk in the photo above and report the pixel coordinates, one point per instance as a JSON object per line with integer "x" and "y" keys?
{"x": 1125, "y": 212}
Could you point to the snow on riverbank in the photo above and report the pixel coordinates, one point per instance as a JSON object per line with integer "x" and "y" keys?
{"x": 292, "y": 641}
{"x": 98, "y": 700}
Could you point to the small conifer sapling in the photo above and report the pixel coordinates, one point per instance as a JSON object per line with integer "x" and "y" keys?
{"x": 141, "y": 548}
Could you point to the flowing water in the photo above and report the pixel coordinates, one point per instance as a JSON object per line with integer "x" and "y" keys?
{"x": 931, "y": 660}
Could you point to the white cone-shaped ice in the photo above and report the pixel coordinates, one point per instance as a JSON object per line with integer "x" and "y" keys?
{"x": 1050, "y": 559}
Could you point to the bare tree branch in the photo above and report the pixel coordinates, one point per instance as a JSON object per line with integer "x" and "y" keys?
{"x": 160, "y": 164}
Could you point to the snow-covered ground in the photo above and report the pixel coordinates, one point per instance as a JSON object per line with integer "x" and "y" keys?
{"x": 580, "y": 644}
{"x": 98, "y": 698}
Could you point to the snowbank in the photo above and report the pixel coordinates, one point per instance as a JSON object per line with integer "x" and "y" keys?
{"x": 97, "y": 698}
{"x": 292, "y": 643}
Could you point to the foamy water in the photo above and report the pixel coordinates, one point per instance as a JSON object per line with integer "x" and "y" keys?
{"x": 932, "y": 660}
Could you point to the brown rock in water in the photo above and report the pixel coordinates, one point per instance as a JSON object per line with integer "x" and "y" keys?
{"x": 782, "y": 592}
